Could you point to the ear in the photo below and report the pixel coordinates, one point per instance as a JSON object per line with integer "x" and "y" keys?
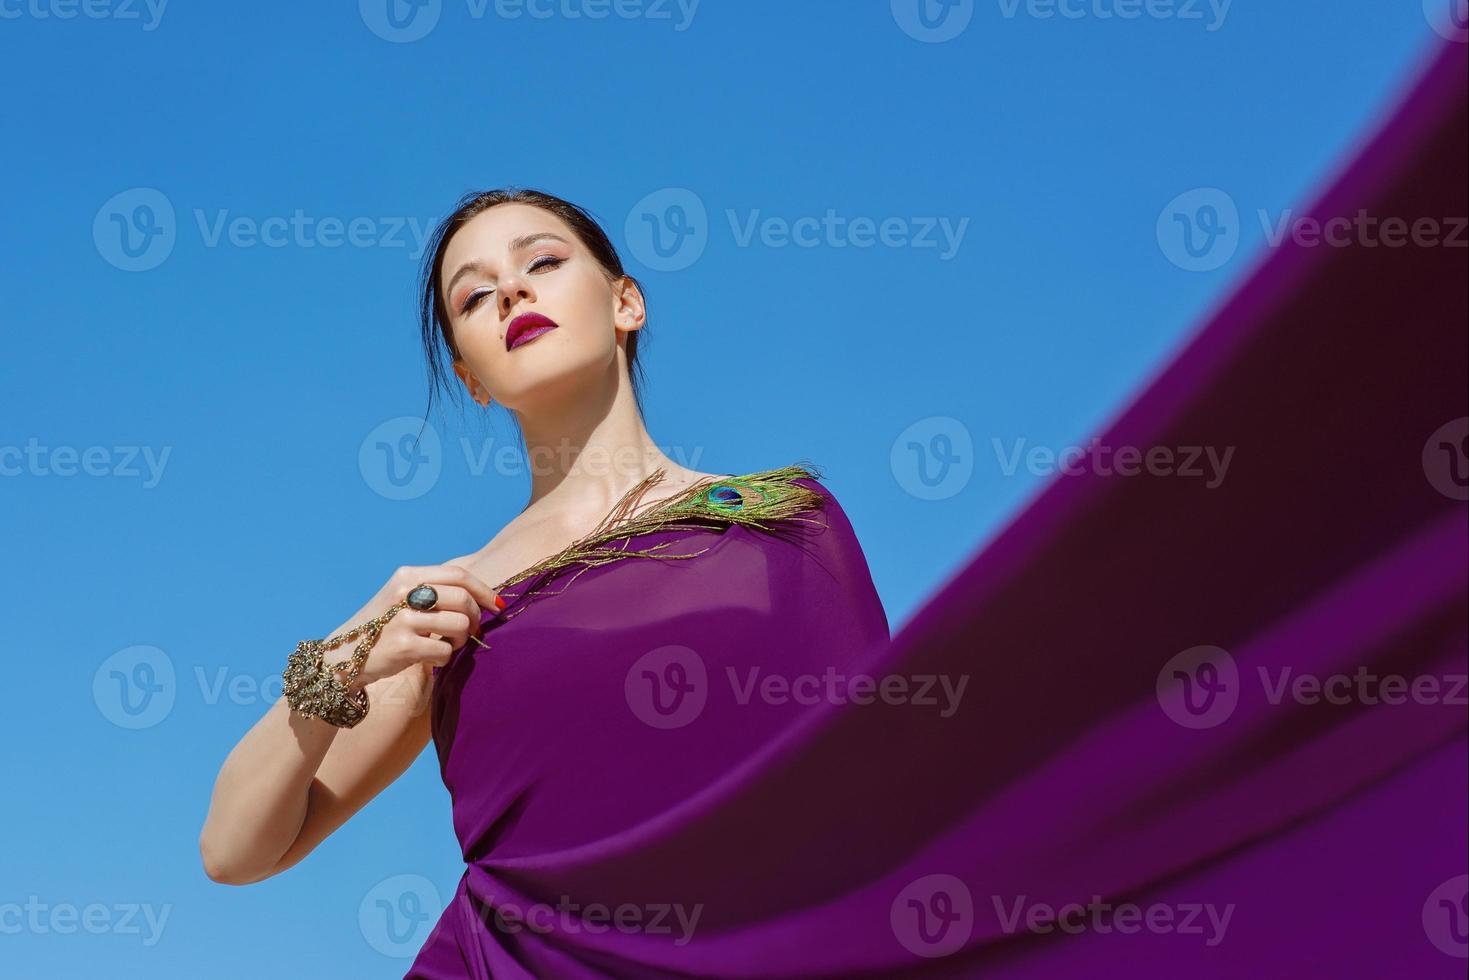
{"x": 627, "y": 310}
{"x": 476, "y": 390}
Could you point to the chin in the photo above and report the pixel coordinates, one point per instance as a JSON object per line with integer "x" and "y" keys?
{"x": 539, "y": 381}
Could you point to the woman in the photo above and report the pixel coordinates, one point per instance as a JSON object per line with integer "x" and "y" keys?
{"x": 636, "y": 614}
{"x": 1155, "y": 771}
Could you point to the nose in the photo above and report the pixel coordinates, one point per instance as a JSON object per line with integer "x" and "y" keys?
{"x": 513, "y": 290}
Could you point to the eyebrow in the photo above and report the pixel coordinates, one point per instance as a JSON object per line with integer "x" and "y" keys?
{"x": 516, "y": 245}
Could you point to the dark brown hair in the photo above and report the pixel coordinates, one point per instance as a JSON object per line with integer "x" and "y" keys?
{"x": 438, "y": 339}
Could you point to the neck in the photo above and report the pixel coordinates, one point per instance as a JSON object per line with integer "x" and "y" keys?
{"x": 586, "y": 452}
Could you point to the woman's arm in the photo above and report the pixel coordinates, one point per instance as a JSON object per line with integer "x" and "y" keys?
{"x": 292, "y": 780}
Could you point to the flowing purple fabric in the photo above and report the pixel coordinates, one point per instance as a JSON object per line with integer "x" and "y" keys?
{"x": 653, "y": 773}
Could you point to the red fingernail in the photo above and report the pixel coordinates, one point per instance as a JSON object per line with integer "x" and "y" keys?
{"x": 499, "y": 603}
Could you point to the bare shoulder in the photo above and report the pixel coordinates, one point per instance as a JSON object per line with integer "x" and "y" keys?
{"x": 490, "y": 563}
{"x": 673, "y": 485}
{"x": 523, "y": 542}
{"x": 518, "y": 545}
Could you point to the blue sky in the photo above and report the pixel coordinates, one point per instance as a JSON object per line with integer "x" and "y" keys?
{"x": 906, "y": 248}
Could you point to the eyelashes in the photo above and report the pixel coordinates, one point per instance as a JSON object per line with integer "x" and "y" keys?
{"x": 472, "y": 300}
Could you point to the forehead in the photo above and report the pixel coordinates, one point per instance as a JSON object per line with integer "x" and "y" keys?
{"x": 487, "y": 236}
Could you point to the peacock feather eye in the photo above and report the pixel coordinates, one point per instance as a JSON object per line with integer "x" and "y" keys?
{"x": 726, "y": 496}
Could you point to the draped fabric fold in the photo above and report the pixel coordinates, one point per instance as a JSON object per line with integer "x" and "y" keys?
{"x": 1152, "y": 728}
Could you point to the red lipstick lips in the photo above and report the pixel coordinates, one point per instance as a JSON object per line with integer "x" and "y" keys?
{"x": 527, "y": 327}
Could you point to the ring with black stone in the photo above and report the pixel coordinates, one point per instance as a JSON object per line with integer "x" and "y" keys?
{"x": 424, "y": 597}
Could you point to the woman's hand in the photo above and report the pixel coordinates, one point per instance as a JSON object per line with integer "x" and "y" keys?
{"x": 417, "y": 638}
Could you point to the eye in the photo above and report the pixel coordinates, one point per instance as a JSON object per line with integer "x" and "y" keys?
{"x": 473, "y": 299}
{"x": 541, "y": 262}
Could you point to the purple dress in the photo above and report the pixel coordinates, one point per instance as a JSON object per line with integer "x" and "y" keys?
{"x": 1211, "y": 727}
{"x": 605, "y": 714}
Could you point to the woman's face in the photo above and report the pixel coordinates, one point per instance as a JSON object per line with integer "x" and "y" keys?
{"x": 517, "y": 259}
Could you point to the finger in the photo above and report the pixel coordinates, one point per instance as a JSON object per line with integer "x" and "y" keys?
{"x": 444, "y": 622}
{"x": 476, "y": 586}
{"x": 432, "y": 650}
{"x": 459, "y": 598}
{"x": 452, "y": 597}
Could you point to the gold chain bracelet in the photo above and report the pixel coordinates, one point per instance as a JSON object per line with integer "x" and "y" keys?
{"x": 312, "y": 686}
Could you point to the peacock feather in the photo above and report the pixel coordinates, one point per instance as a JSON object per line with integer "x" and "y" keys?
{"x": 751, "y": 500}
{"x": 766, "y": 501}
